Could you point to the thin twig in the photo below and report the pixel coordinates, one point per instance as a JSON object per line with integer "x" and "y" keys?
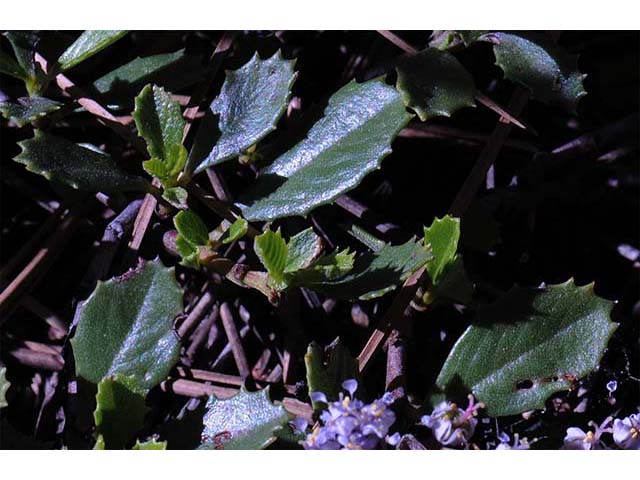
{"x": 38, "y": 359}
{"x": 35, "y": 240}
{"x": 114, "y": 235}
{"x": 92, "y": 106}
{"x": 196, "y": 314}
{"x": 392, "y": 316}
{"x": 488, "y": 155}
{"x": 398, "y": 42}
{"x": 40, "y": 264}
{"x": 189, "y": 388}
{"x": 234, "y": 340}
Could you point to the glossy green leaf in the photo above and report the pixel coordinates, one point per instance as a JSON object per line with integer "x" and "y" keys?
{"x": 60, "y": 160}
{"x": 10, "y": 67}
{"x": 191, "y": 227}
{"x": 376, "y": 274}
{"x": 159, "y": 121}
{"x": 533, "y": 60}
{"x": 272, "y": 251}
{"x": 28, "y": 109}
{"x": 136, "y": 71}
{"x": 252, "y": 100}
{"x": 328, "y": 368}
{"x": 355, "y": 134}
{"x": 152, "y": 444}
{"x": 246, "y": 421}
{"x": 126, "y": 327}
{"x": 119, "y": 413}
{"x": 528, "y": 345}
{"x": 443, "y": 236}
{"x": 86, "y": 45}
{"x": 24, "y": 67}
{"x": 4, "y": 386}
{"x": 433, "y": 82}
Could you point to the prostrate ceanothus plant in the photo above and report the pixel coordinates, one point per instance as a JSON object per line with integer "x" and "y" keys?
{"x": 125, "y": 344}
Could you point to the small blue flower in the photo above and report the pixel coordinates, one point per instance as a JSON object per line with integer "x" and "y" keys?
{"x": 350, "y": 424}
{"x": 451, "y": 426}
{"x": 626, "y": 432}
{"x": 578, "y": 439}
{"x": 518, "y": 444}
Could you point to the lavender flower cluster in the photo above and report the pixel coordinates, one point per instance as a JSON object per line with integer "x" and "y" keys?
{"x": 626, "y": 435}
{"x": 451, "y": 426}
{"x": 350, "y": 424}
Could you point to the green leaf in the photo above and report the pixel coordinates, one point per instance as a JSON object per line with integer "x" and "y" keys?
{"x": 159, "y": 121}
{"x": 126, "y": 327}
{"x": 454, "y": 285}
{"x": 246, "y": 421}
{"x": 303, "y": 249}
{"x": 188, "y": 251}
{"x": 433, "y": 82}
{"x": 327, "y": 376}
{"x": 326, "y": 268}
{"x": 28, "y": 109}
{"x": 60, "y": 160}
{"x": 528, "y": 345}
{"x": 375, "y": 274}
{"x": 443, "y": 236}
{"x": 191, "y": 227}
{"x": 176, "y": 196}
{"x": 136, "y": 71}
{"x": 152, "y": 444}
{"x": 533, "y": 60}
{"x": 119, "y": 413}
{"x": 86, "y": 45}
{"x": 272, "y": 251}
{"x": 236, "y": 231}
{"x": 24, "y": 43}
{"x": 10, "y": 67}
{"x": 252, "y": 100}
{"x": 4, "y": 386}
{"x": 359, "y": 124}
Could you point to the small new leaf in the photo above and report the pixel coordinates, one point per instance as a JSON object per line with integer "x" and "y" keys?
{"x": 433, "y": 83}
{"x": 120, "y": 411}
{"x": 235, "y": 231}
{"x": 303, "y": 249}
{"x": 60, "y": 160}
{"x": 86, "y": 45}
{"x": 191, "y": 227}
{"x": 159, "y": 122}
{"x": 528, "y": 345}
{"x": 246, "y": 421}
{"x": 272, "y": 251}
{"x": 443, "y": 236}
{"x": 151, "y": 444}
